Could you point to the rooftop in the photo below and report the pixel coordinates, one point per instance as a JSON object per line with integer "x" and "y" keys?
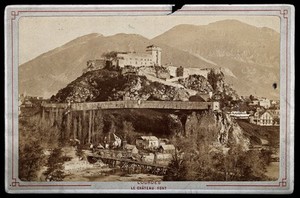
{"x": 152, "y": 138}
{"x": 168, "y": 147}
{"x": 129, "y": 146}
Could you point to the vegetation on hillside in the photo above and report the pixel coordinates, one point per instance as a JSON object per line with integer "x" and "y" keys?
{"x": 34, "y": 139}
{"x": 205, "y": 162}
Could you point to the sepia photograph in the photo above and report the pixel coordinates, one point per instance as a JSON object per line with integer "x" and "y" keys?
{"x": 149, "y": 99}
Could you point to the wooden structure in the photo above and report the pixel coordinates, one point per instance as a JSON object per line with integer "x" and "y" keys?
{"x": 80, "y": 120}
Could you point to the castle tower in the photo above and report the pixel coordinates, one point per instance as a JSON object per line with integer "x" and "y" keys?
{"x": 156, "y": 54}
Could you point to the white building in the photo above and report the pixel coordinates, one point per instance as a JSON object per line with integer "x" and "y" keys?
{"x": 263, "y": 118}
{"x": 147, "y": 142}
{"x": 151, "y": 58}
{"x": 264, "y": 102}
{"x": 167, "y": 148}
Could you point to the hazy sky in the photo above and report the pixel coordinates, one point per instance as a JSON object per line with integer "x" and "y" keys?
{"x": 38, "y": 35}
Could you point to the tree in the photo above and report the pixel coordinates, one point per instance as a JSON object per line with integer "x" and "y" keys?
{"x": 205, "y": 162}
{"x": 251, "y": 97}
{"x": 31, "y": 158}
{"x": 55, "y": 162}
{"x": 99, "y": 125}
{"x": 31, "y": 155}
{"x": 177, "y": 169}
{"x": 79, "y": 151}
{"x": 128, "y": 132}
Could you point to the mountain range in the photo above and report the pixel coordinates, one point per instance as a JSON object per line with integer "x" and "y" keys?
{"x": 248, "y": 54}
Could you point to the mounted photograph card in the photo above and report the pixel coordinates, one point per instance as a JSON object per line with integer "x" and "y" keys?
{"x": 143, "y": 99}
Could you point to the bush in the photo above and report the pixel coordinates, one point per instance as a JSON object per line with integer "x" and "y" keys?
{"x": 55, "y": 162}
{"x": 31, "y": 158}
{"x": 177, "y": 170}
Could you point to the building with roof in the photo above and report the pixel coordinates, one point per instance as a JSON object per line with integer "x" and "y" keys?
{"x": 151, "y": 58}
{"x": 264, "y": 102}
{"x": 167, "y": 148}
{"x": 147, "y": 142}
{"x": 263, "y": 118}
{"x": 131, "y": 149}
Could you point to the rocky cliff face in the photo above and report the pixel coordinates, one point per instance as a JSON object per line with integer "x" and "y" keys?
{"x": 219, "y": 129}
{"x": 230, "y": 132}
{"x": 196, "y": 82}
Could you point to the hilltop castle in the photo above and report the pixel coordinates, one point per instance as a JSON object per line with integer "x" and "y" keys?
{"x": 152, "y": 57}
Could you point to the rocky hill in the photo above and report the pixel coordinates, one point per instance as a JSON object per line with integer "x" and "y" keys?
{"x": 138, "y": 83}
{"x": 108, "y": 85}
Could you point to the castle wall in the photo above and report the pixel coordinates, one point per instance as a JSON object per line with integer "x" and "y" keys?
{"x": 196, "y": 71}
{"x": 188, "y": 71}
{"x": 172, "y": 70}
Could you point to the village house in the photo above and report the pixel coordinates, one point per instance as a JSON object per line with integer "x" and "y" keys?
{"x": 264, "y": 102}
{"x": 273, "y": 102}
{"x": 164, "y": 140}
{"x": 276, "y": 113}
{"x": 262, "y": 118}
{"x": 27, "y": 103}
{"x": 147, "y": 142}
{"x": 148, "y": 158}
{"x": 163, "y": 158}
{"x": 131, "y": 149}
{"x": 167, "y": 148}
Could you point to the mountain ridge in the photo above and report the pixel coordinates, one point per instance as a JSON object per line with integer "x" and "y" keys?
{"x": 237, "y": 46}
{"x": 188, "y": 48}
